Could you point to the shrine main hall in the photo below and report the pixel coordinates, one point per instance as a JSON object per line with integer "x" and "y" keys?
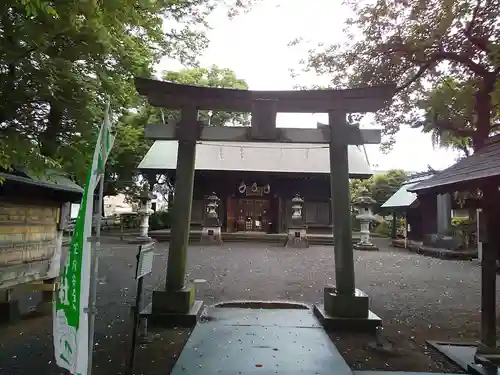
{"x": 256, "y": 182}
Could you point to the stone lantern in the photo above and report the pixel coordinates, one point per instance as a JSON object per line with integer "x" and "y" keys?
{"x": 297, "y": 231}
{"x": 364, "y": 204}
{"x": 211, "y": 230}
{"x": 145, "y": 211}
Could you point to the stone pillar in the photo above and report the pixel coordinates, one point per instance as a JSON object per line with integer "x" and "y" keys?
{"x": 211, "y": 230}
{"x": 365, "y": 216}
{"x": 345, "y": 308}
{"x": 394, "y": 232}
{"x": 297, "y": 231}
{"x": 178, "y": 298}
{"x": 9, "y": 308}
{"x": 490, "y": 238}
{"x": 145, "y": 211}
{"x": 444, "y": 214}
{"x": 47, "y": 300}
{"x": 341, "y": 211}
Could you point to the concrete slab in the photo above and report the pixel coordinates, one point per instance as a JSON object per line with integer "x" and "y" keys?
{"x": 188, "y": 320}
{"x": 291, "y": 318}
{"x": 400, "y": 373}
{"x": 247, "y": 341}
{"x": 332, "y": 323}
{"x": 462, "y": 354}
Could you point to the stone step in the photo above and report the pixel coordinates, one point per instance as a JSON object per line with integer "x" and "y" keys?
{"x": 195, "y": 237}
{"x": 246, "y": 341}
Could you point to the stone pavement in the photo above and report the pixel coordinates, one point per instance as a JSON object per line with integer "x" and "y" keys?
{"x": 251, "y": 341}
{"x": 417, "y": 297}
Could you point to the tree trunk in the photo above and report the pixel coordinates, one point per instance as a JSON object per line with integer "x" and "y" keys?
{"x": 483, "y": 112}
{"x": 48, "y": 139}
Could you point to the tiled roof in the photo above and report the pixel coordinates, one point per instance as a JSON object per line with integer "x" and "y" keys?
{"x": 484, "y": 163}
{"x": 50, "y": 180}
{"x": 255, "y": 156}
{"x": 402, "y": 197}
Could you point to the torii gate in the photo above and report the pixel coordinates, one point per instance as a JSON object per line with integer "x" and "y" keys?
{"x": 341, "y": 301}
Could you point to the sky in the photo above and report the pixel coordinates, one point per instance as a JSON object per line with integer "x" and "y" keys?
{"x": 255, "y": 46}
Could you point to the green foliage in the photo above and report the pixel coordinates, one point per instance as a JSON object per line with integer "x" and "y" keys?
{"x": 383, "y": 228}
{"x": 130, "y": 221}
{"x": 380, "y": 186}
{"x": 443, "y": 54}
{"x": 458, "y": 222}
{"x": 357, "y": 186}
{"x": 59, "y": 60}
{"x": 211, "y": 77}
{"x": 35, "y": 8}
{"x": 159, "y": 220}
{"x": 464, "y": 228}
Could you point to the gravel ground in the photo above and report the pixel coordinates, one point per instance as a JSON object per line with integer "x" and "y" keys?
{"x": 417, "y": 297}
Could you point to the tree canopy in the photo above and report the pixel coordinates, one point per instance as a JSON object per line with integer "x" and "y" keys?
{"x": 443, "y": 54}
{"x": 380, "y": 186}
{"x": 60, "y": 60}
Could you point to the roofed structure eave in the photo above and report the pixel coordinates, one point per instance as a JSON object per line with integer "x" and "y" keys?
{"x": 457, "y": 186}
{"x": 163, "y": 171}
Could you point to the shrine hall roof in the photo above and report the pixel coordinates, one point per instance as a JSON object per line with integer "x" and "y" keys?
{"x": 255, "y": 156}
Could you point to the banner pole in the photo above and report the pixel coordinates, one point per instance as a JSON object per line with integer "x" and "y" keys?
{"x": 96, "y": 250}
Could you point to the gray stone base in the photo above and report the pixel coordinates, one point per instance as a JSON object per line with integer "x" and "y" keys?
{"x": 211, "y": 236}
{"x": 345, "y": 306}
{"x": 168, "y": 320}
{"x": 297, "y": 238}
{"x": 365, "y": 246}
{"x": 173, "y": 301}
{"x": 140, "y": 240}
{"x": 332, "y": 323}
{"x": 9, "y": 312}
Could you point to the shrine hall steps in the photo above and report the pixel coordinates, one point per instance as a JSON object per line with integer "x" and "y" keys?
{"x": 271, "y": 238}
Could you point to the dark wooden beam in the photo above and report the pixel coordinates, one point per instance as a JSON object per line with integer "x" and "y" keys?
{"x": 174, "y": 96}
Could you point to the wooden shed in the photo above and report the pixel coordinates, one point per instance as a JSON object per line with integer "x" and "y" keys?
{"x": 33, "y": 213}
{"x": 478, "y": 172}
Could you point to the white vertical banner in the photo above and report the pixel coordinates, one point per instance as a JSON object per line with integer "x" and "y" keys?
{"x": 71, "y": 308}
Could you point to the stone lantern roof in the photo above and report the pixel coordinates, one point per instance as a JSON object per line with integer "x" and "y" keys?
{"x": 364, "y": 200}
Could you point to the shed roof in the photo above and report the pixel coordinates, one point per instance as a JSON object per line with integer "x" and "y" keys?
{"x": 255, "y": 156}
{"x": 484, "y": 163}
{"x": 51, "y": 180}
{"x": 403, "y": 197}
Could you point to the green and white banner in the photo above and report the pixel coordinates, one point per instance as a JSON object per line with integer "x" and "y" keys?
{"x": 71, "y": 315}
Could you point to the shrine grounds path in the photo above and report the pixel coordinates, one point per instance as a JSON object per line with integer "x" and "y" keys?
{"x": 417, "y": 297}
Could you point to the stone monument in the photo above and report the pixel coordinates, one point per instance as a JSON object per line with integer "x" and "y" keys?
{"x": 297, "y": 231}
{"x": 364, "y": 204}
{"x": 211, "y": 230}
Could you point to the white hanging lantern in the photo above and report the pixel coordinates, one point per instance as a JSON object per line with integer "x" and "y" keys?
{"x": 242, "y": 188}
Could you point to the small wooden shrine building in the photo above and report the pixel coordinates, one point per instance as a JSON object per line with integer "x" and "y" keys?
{"x": 480, "y": 171}
{"x": 33, "y": 213}
{"x": 419, "y": 219}
{"x": 257, "y": 181}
